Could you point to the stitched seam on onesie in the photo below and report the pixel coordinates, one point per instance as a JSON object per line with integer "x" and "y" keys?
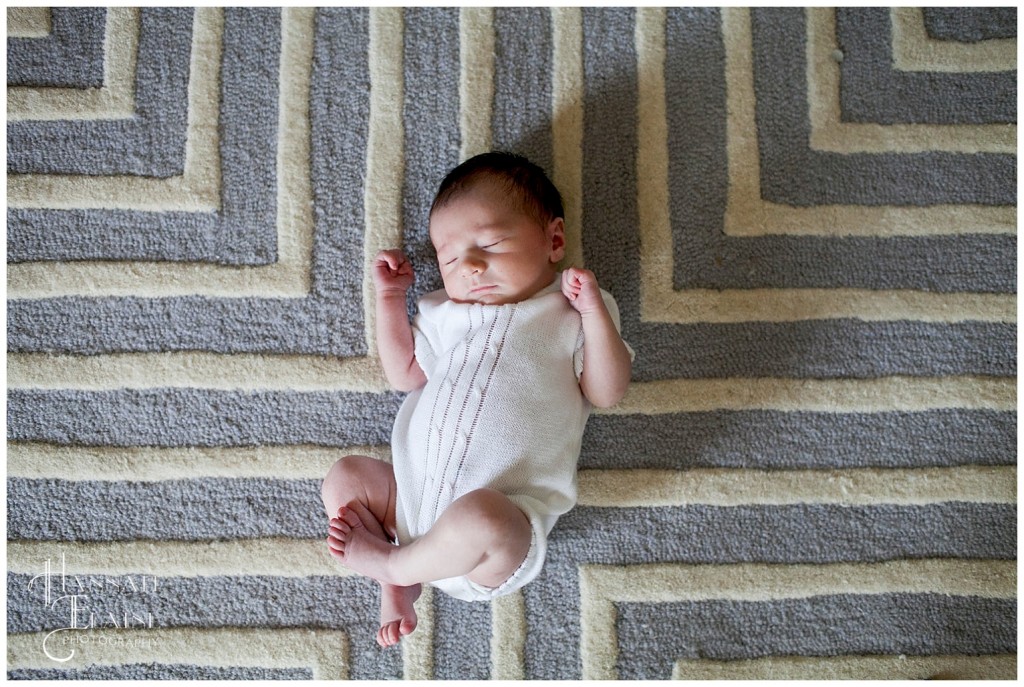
{"x": 462, "y": 412}
{"x": 448, "y": 405}
{"x": 483, "y": 393}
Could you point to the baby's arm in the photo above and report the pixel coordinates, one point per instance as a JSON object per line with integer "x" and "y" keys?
{"x": 392, "y": 277}
{"x": 606, "y": 364}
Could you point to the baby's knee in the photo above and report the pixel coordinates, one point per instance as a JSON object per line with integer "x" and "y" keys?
{"x": 342, "y": 478}
{"x": 494, "y": 514}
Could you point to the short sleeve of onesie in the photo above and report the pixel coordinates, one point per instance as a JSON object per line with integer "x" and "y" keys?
{"x": 426, "y": 331}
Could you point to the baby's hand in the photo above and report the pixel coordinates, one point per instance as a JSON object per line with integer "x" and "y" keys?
{"x": 580, "y": 287}
{"x": 392, "y": 271}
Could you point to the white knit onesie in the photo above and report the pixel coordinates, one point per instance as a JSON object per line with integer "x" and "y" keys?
{"x": 502, "y": 408}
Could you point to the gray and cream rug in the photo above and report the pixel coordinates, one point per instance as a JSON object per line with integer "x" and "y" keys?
{"x": 807, "y": 217}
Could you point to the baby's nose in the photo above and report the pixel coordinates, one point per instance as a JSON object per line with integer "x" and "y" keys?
{"x": 471, "y": 265}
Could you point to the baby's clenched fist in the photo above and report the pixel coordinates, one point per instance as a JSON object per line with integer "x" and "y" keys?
{"x": 392, "y": 271}
{"x": 580, "y": 287}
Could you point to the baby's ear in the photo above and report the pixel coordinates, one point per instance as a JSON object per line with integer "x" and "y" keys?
{"x": 556, "y": 234}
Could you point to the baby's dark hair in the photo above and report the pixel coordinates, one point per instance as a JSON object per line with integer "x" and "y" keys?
{"x": 537, "y": 195}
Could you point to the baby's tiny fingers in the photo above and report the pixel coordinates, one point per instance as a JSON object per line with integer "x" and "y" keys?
{"x": 394, "y": 259}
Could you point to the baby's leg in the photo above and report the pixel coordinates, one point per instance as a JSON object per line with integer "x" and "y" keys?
{"x": 366, "y": 484}
{"x": 367, "y": 487}
{"x": 482, "y": 535}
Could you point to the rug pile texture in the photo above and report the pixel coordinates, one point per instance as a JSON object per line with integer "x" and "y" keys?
{"x": 807, "y": 217}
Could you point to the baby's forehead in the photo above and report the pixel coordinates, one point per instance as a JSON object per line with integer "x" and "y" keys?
{"x": 485, "y": 203}
{"x": 492, "y": 188}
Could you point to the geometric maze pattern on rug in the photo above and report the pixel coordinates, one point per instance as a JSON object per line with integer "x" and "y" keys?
{"x": 807, "y": 217}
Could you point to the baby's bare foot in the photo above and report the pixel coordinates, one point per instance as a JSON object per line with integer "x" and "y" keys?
{"x": 397, "y": 614}
{"x": 349, "y": 542}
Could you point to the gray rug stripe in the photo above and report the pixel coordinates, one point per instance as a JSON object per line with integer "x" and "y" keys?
{"x": 432, "y": 131}
{"x": 462, "y": 639}
{"x": 225, "y": 601}
{"x": 522, "y": 83}
{"x": 150, "y": 143}
{"x": 194, "y": 323}
{"x": 818, "y": 349}
{"x": 792, "y": 534}
{"x": 875, "y": 91}
{"x": 244, "y": 231}
{"x": 611, "y": 244}
{"x": 958, "y": 263}
{"x": 71, "y": 56}
{"x": 782, "y": 440}
{"x": 196, "y": 417}
{"x": 205, "y": 509}
{"x": 806, "y": 533}
{"x": 695, "y": 101}
{"x": 794, "y": 174}
{"x": 769, "y": 440}
{"x": 187, "y": 510}
{"x": 706, "y": 258}
{"x": 249, "y": 136}
{"x": 339, "y": 112}
{"x": 339, "y": 603}
{"x": 883, "y": 624}
{"x": 970, "y": 24}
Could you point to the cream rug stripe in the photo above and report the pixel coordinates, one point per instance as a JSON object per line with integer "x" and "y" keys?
{"x": 114, "y": 100}
{"x": 567, "y": 124}
{"x": 602, "y": 586}
{"x": 600, "y": 488}
{"x": 913, "y": 50}
{"x": 900, "y": 667}
{"x": 748, "y": 215}
{"x": 325, "y": 652}
{"x": 385, "y": 156}
{"x": 476, "y": 79}
{"x": 308, "y": 373}
{"x": 829, "y": 132}
{"x": 28, "y": 22}
{"x": 197, "y": 190}
{"x": 744, "y": 487}
{"x": 289, "y": 276}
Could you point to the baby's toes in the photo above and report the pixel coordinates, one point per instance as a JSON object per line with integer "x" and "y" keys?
{"x": 406, "y": 626}
{"x": 388, "y": 635}
{"x": 349, "y": 517}
{"x": 336, "y": 548}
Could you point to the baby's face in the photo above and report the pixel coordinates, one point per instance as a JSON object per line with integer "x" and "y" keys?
{"x": 491, "y": 253}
